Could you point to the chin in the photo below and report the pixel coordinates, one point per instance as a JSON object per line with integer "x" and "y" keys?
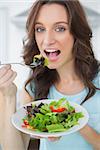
{"x": 52, "y": 66}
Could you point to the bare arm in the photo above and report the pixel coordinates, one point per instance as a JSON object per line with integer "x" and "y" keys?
{"x": 91, "y": 136}
{"x": 10, "y": 138}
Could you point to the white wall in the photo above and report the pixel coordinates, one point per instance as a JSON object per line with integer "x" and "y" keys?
{"x": 94, "y": 5}
{"x": 3, "y": 33}
{"x": 11, "y": 37}
{"x": 96, "y": 42}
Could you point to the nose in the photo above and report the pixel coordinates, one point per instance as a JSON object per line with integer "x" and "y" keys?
{"x": 49, "y": 39}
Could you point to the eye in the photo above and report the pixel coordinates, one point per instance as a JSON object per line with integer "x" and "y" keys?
{"x": 60, "y": 29}
{"x": 39, "y": 29}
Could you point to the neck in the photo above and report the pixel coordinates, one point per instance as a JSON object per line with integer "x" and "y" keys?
{"x": 67, "y": 73}
{"x": 69, "y": 82}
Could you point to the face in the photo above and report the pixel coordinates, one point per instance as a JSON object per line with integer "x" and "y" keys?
{"x": 53, "y": 37}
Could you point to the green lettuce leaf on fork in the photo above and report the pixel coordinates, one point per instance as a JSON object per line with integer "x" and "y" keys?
{"x": 40, "y": 60}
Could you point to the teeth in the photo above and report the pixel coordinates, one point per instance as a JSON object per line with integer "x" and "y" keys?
{"x": 50, "y": 50}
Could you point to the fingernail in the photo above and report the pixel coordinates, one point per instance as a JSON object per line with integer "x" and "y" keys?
{"x": 8, "y": 66}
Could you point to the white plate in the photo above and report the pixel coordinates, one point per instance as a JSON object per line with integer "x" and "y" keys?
{"x": 20, "y": 114}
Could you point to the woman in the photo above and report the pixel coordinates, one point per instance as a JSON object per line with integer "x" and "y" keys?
{"x": 60, "y": 32}
{"x": 63, "y": 36}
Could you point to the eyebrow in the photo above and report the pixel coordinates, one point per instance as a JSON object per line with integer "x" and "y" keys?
{"x": 59, "y": 22}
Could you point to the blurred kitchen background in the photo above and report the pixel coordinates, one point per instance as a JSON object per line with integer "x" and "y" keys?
{"x": 13, "y": 14}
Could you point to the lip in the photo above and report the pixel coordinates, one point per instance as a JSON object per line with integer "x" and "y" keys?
{"x": 51, "y": 48}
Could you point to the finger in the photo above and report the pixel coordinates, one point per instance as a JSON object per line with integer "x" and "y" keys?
{"x": 6, "y": 77}
{"x": 36, "y": 137}
{"x": 9, "y": 81}
{"x": 53, "y": 139}
{"x": 4, "y": 70}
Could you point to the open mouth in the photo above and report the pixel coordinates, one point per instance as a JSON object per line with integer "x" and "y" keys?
{"x": 52, "y": 54}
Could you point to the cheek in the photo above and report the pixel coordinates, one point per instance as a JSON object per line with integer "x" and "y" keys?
{"x": 68, "y": 42}
{"x": 65, "y": 39}
{"x": 38, "y": 39}
{"x": 39, "y": 43}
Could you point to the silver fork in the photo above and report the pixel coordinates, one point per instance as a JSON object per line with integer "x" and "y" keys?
{"x": 32, "y": 65}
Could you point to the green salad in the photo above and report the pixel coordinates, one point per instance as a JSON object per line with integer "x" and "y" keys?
{"x": 57, "y": 116}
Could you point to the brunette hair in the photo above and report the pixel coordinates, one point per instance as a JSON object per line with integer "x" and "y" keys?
{"x": 86, "y": 65}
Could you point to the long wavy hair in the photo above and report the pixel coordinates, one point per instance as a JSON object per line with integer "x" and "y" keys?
{"x": 86, "y": 65}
